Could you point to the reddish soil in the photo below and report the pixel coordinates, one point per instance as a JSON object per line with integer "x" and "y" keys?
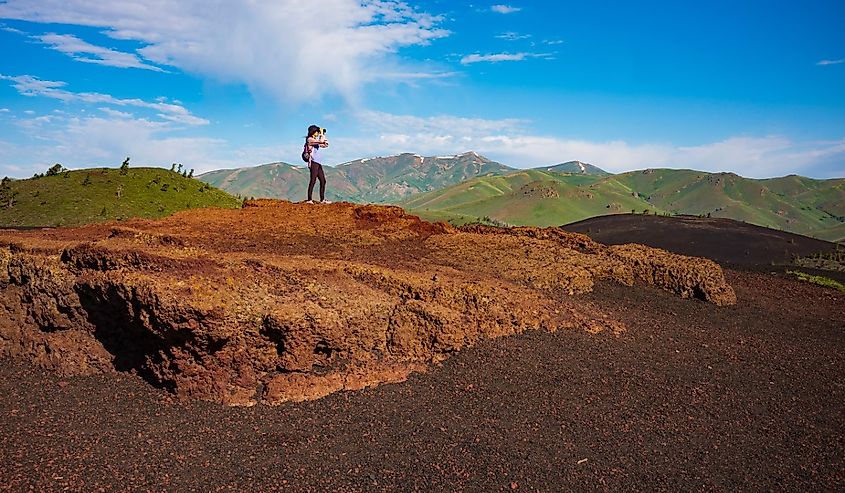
{"x": 692, "y": 396}
{"x": 283, "y": 301}
{"x": 680, "y": 394}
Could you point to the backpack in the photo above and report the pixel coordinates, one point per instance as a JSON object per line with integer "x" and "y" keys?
{"x": 306, "y": 153}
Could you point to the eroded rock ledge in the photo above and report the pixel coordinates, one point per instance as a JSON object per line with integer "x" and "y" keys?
{"x": 282, "y": 301}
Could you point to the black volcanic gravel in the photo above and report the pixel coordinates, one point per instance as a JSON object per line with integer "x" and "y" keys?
{"x": 691, "y": 397}
{"x": 728, "y": 242}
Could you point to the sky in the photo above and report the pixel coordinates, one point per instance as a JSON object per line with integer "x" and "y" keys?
{"x": 752, "y": 87}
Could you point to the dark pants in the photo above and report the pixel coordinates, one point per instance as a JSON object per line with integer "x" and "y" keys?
{"x": 317, "y": 172}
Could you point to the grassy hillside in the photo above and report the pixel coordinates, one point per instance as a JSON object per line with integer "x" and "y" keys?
{"x": 394, "y": 178}
{"x": 797, "y": 204}
{"x": 540, "y": 198}
{"x": 833, "y": 233}
{"x": 530, "y": 197}
{"x": 575, "y": 167}
{"x": 378, "y": 180}
{"x": 101, "y": 194}
{"x": 275, "y": 180}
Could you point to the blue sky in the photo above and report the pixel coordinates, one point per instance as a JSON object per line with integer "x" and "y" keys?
{"x": 757, "y": 88}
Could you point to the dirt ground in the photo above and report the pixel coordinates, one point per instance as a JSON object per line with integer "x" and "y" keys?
{"x": 282, "y": 302}
{"x": 692, "y": 396}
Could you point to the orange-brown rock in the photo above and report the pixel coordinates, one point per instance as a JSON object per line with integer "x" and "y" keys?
{"x": 280, "y": 301}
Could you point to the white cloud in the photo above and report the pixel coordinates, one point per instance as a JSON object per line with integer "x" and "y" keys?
{"x": 77, "y": 49}
{"x": 11, "y": 30}
{"x": 509, "y": 141}
{"x": 116, "y": 114}
{"x": 86, "y": 141}
{"x": 28, "y": 85}
{"x": 414, "y": 76}
{"x": 284, "y": 48}
{"x": 512, "y": 36}
{"x": 4, "y": 110}
{"x": 502, "y": 57}
{"x": 504, "y": 9}
{"x": 830, "y": 62}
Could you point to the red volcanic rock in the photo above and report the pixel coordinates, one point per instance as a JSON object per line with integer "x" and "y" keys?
{"x": 282, "y": 301}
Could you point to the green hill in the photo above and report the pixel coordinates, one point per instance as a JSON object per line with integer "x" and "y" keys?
{"x": 529, "y": 197}
{"x": 792, "y": 203}
{"x": 377, "y": 180}
{"x": 539, "y": 198}
{"x": 834, "y": 233}
{"x": 394, "y": 178}
{"x": 100, "y": 194}
{"x": 274, "y": 180}
{"x": 575, "y": 167}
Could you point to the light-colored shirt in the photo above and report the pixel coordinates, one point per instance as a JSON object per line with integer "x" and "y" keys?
{"x": 315, "y": 153}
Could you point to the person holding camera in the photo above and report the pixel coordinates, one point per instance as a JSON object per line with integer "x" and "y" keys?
{"x": 315, "y": 141}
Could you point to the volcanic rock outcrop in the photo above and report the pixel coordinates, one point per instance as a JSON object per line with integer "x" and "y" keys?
{"x": 280, "y": 301}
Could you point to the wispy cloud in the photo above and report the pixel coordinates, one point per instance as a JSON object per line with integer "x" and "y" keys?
{"x": 84, "y": 140}
{"x": 86, "y": 52}
{"x": 830, "y": 62}
{"x": 411, "y": 76}
{"x": 512, "y": 36}
{"x": 264, "y": 45}
{"x": 28, "y": 85}
{"x": 115, "y": 113}
{"x": 504, "y": 9}
{"x": 507, "y": 141}
{"x": 502, "y": 57}
{"x": 8, "y": 29}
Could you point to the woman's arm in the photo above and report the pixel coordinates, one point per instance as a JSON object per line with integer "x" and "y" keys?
{"x": 320, "y": 142}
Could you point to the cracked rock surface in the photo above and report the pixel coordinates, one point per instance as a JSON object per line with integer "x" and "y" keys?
{"x": 280, "y": 301}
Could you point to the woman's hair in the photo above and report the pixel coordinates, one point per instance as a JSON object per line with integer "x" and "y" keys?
{"x": 312, "y": 130}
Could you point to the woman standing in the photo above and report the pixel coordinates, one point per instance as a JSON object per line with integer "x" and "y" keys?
{"x": 315, "y": 141}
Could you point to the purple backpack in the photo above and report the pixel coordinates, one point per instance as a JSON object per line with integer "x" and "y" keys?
{"x": 306, "y": 153}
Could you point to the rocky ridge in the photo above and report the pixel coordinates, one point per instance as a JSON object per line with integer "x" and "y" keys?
{"x": 280, "y": 301}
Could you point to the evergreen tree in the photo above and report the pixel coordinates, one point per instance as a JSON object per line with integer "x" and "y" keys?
{"x": 55, "y": 169}
{"x": 124, "y": 168}
{"x": 191, "y": 174}
{"x": 7, "y": 195}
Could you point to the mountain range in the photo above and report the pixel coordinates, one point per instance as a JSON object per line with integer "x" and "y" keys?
{"x": 468, "y": 187}
{"x": 372, "y": 180}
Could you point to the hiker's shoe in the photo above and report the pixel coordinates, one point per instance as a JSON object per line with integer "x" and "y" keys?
{"x": 326, "y": 202}
{"x": 309, "y": 201}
